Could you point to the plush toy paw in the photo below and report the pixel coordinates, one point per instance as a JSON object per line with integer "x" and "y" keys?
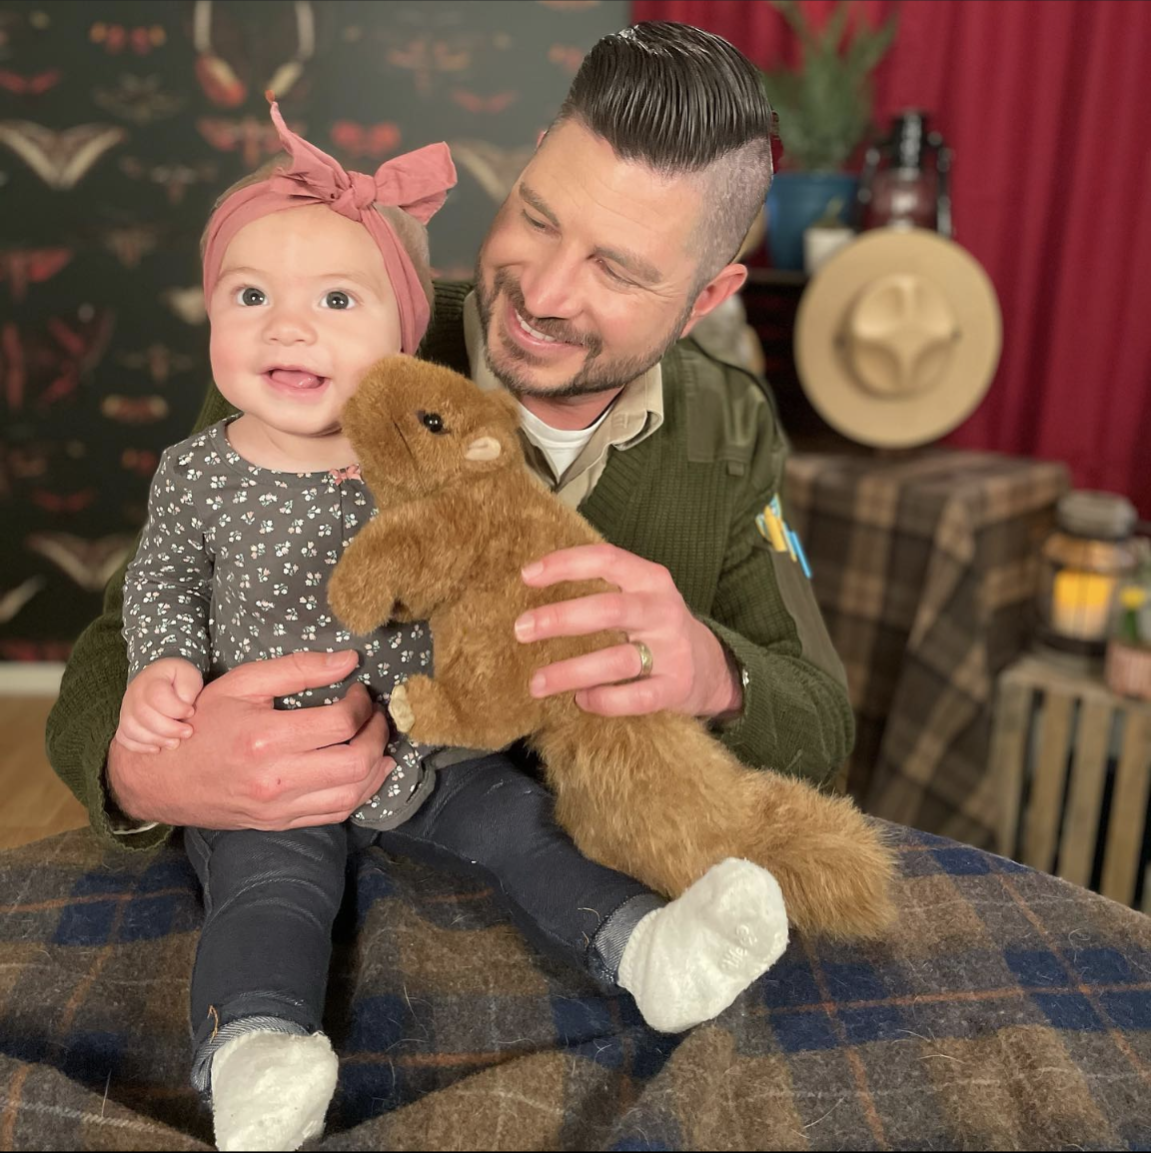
{"x": 401, "y": 709}
{"x": 425, "y": 713}
{"x": 346, "y": 598}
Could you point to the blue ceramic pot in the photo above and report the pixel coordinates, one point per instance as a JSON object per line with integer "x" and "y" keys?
{"x": 795, "y": 201}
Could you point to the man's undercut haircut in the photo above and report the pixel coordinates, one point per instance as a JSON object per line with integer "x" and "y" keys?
{"x": 683, "y": 102}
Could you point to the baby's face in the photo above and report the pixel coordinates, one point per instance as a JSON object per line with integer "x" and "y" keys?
{"x": 302, "y": 309}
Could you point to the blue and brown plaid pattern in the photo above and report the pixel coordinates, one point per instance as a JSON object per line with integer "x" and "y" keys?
{"x": 1008, "y": 1010}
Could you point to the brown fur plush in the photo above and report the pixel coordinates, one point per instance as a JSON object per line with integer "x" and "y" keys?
{"x": 653, "y": 796}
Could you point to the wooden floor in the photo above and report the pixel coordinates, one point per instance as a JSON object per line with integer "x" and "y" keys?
{"x": 33, "y": 802}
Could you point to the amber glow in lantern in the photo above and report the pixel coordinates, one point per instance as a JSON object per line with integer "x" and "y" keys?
{"x": 1084, "y": 562}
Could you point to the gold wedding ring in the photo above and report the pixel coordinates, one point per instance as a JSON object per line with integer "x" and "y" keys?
{"x": 645, "y": 661}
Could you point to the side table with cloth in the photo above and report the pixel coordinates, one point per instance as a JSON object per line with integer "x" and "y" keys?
{"x": 925, "y": 566}
{"x": 1007, "y": 1010}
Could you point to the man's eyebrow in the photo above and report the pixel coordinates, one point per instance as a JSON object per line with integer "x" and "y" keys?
{"x": 629, "y": 261}
{"x": 636, "y": 265}
{"x": 534, "y": 199}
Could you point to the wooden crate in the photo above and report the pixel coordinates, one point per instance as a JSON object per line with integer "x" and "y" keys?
{"x": 1061, "y": 740}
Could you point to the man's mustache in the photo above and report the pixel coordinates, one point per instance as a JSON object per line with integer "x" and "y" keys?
{"x": 553, "y": 328}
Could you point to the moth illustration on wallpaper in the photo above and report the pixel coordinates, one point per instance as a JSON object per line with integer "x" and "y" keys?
{"x": 60, "y": 158}
{"x": 567, "y": 56}
{"x": 174, "y": 178}
{"x": 495, "y": 169}
{"x": 63, "y": 502}
{"x": 219, "y": 79}
{"x": 89, "y": 563}
{"x": 49, "y": 362}
{"x": 186, "y": 303}
{"x": 138, "y": 99}
{"x": 21, "y": 462}
{"x": 140, "y": 462}
{"x": 134, "y": 409}
{"x": 12, "y": 601}
{"x": 35, "y": 85}
{"x": 428, "y": 43}
{"x": 130, "y": 243}
{"x": 360, "y": 140}
{"x": 115, "y": 38}
{"x": 21, "y": 267}
{"x": 255, "y": 138}
{"x": 492, "y": 104}
{"x": 160, "y": 361}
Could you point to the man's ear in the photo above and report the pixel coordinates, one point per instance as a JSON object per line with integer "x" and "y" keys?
{"x": 728, "y": 281}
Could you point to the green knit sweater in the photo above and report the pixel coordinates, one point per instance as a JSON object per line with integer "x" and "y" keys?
{"x": 685, "y": 497}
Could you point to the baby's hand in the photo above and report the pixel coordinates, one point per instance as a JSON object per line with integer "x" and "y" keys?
{"x": 157, "y": 704}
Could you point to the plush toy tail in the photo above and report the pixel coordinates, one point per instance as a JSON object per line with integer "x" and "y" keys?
{"x": 660, "y": 799}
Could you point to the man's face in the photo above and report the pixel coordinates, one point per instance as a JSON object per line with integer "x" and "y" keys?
{"x": 584, "y": 278}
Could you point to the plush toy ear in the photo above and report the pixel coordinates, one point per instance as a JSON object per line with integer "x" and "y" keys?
{"x": 483, "y": 448}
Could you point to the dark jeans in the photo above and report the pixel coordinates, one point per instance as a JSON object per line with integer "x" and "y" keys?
{"x": 271, "y": 898}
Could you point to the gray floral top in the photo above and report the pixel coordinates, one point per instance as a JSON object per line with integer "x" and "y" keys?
{"x": 233, "y": 567}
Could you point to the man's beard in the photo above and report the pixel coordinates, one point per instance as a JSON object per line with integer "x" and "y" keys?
{"x": 594, "y": 377}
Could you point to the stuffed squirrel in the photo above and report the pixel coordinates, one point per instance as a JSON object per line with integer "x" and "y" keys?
{"x": 653, "y": 796}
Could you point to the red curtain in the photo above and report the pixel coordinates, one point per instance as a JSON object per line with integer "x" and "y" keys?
{"x": 1047, "y": 105}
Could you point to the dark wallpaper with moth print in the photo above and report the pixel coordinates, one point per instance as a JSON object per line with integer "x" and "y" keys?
{"x": 120, "y": 122}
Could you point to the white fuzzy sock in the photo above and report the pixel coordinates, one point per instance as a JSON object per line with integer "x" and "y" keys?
{"x": 685, "y": 963}
{"x": 271, "y": 1090}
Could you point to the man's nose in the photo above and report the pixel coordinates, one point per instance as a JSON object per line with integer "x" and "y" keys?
{"x": 552, "y": 286}
{"x": 288, "y": 325}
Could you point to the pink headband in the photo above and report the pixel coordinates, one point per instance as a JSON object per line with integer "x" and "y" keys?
{"x": 416, "y": 182}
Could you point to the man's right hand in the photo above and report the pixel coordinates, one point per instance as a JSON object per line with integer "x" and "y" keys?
{"x": 251, "y": 766}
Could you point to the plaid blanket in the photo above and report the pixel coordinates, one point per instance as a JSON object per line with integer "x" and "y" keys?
{"x": 925, "y": 565}
{"x": 1008, "y": 1010}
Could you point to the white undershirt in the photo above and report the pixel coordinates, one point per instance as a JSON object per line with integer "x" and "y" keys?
{"x": 561, "y": 446}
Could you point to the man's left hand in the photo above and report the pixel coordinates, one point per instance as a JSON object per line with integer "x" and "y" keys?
{"x": 690, "y": 670}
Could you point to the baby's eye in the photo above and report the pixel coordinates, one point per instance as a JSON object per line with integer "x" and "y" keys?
{"x": 251, "y": 297}
{"x": 337, "y": 299}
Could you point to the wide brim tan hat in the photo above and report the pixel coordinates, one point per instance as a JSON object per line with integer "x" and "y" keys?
{"x": 897, "y": 337}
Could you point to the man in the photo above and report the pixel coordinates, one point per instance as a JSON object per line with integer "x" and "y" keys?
{"x": 618, "y": 237}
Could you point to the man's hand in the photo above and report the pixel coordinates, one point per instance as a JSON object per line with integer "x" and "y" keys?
{"x": 250, "y": 766}
{"x": 690, "y": 673}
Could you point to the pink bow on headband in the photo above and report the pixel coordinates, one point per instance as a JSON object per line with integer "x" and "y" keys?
{"x": 416, "y": 182}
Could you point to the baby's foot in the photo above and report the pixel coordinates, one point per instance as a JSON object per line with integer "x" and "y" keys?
{"x": 271, "y": 1090}
{"x": 686, "y": 962}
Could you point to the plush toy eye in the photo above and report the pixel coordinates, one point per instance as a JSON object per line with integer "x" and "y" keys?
{"x": 432, "y": 421}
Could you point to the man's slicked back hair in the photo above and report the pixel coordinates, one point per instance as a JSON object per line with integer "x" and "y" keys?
{"x": 683, "y": 101}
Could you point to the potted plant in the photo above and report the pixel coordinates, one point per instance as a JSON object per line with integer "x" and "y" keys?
{"x": 824, "y": 113}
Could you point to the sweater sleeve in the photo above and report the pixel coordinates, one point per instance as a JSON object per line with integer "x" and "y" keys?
{"x": 796, "y": 716}
{"x": 168, "y": 586}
